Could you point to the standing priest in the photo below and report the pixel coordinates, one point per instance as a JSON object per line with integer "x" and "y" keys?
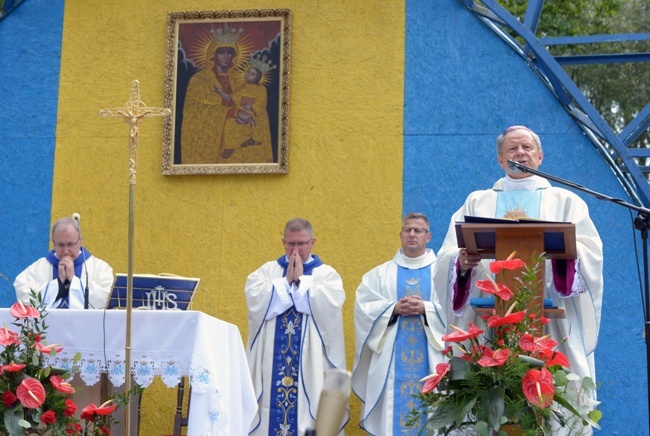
{"x": 399, "y": 328}
{"x": 575, "y": 285}
{"x": 295, "y": 333}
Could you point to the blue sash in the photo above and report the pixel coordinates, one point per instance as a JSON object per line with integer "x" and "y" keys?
{"x": 283, "y": 413}
{"x": 518, "y": 204}
{"x": 78, "y": 265}
{"x": 411, "y": 357}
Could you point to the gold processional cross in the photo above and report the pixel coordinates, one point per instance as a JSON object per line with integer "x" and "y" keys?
{"x": 133, "y": 113}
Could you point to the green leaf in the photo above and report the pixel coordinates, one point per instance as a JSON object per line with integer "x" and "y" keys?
{"x": 24, "y": 424}
{"x": 586, "y": 418}
{"x": 588, "y": 384}
{"x": 495, "y": 399}
{"x": 12, "y": 420}
{"x": 595, "y": 415}
{"x": 535, "y": 363}
{"x": 483, "y": 429}
{"x": 458, "y": 369}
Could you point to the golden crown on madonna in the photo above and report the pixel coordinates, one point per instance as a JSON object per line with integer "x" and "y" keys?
{"x": 226, "y": 36}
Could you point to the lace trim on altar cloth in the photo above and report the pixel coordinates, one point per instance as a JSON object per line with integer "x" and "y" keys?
{"x": 143, "y": 370}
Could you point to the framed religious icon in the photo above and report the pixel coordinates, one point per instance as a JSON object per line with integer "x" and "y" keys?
{"x": 227, "y": 85}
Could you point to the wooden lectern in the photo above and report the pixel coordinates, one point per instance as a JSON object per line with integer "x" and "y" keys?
{"x": 497, "y": 238}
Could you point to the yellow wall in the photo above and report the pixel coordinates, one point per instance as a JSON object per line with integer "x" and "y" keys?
{"x": 345, "y": 155}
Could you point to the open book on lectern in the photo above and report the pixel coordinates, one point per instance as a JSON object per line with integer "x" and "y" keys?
{"x": 484, "y": 235}
{"x": 154, "y": 292}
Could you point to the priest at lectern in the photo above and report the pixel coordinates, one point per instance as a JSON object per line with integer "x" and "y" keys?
{"x": 574, "y": 285}
{"x": 68, "y": 273}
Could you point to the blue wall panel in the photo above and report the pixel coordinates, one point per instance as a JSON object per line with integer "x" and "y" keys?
{"x": 463, "y": 87}
{"x": 30, "y": 53}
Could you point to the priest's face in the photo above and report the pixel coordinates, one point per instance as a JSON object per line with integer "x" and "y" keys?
{"x": 301, "y": 242}
{"x": 519, "y": 146}
{"x": 414, "y": 235}
{"x": 66, "y": 242}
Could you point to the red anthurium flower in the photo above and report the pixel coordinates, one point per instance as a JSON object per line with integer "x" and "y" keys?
{"x": 47, "y": 349}
{"x": 19, "y": 310}
{"x": 461, "y": 335}
{"x": 31, "y": 393}
{"x": 433, "y": 379}
{"x": 513, "y": 318}
{"x": 8, "y": 337}
{"x": 509, "y": 263}
{"x": 551, "y": 357}
{"x": 494, "y": 288}
{"x": 538, "y": 388}
{"x": 528, "y": 343}
{"x": 494, "y": 358}
{"x": 13, "y": 367}
{"x": 61, "y": 385}
{"x": 91, "y": 410}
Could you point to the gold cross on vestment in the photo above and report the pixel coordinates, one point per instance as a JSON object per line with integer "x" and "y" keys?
{"x": 132, "y": 113}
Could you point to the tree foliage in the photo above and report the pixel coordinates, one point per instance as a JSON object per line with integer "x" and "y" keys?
{"x": 617, "y": 91}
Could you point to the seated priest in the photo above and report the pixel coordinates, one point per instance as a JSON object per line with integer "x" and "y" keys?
{"x": 64, "y": 275}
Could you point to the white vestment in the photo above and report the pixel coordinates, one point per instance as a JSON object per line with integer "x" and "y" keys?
{"x": 39, "y": 277}
{"x": 373, "y": 377}
{"x": 319, "y": 297}
{"x": 583, "y": 304}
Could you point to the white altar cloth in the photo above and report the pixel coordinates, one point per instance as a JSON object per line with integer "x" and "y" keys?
{"x": 168, "y": 344}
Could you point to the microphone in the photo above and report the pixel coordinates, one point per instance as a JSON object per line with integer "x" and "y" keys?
{"x": 77, "y": 218}
{"x": 516, "y": 167}
{"x": 333, "y": 402}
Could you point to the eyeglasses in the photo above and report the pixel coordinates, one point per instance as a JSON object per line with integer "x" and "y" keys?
{"x": 297, "y": 244}
{"x": 60, "y": 246}
{"x": 417, "y": 230}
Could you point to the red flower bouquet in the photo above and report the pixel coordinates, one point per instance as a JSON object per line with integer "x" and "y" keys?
{"x": 507, "y": 376}
{"x": 36, "y": 398}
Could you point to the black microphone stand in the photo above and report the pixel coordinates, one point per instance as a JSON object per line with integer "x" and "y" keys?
{"x": 641, "y": 223}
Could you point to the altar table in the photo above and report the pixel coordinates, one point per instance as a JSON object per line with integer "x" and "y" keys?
{"x": 167, "y": 344}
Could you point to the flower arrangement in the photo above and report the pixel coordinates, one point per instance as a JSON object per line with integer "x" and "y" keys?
{"x": 512, "y": 378}
{"x": 36, "y": 398}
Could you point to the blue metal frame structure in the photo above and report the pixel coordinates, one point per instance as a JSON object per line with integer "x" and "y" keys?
{"x": 615, "y": 148}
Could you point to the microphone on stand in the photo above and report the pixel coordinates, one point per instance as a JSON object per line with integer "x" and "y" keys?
{"x": 77, "y": 218}
{"x": 516, "y": 167}
{"x": 333, "y": 403}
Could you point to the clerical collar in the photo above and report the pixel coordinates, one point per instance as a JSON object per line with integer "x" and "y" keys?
{"x": 525, "y": 184}
{"x": 413, "y": 260}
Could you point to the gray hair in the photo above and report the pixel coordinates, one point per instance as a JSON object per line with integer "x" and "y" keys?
{"x": 415, "y": 216}
{"x": 65, "y": 222}
{"x": 502, "y": 137}
{"x": 297, "y": 225}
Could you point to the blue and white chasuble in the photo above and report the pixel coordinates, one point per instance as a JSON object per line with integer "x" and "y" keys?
{"x": 411, "y": 356}
{"x": 289, "y": 325}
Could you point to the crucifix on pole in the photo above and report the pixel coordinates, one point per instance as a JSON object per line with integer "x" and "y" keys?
{"x": 133, "y": 113}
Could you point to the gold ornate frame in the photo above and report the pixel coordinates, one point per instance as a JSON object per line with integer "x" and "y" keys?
{"x": 214, "y": 126}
